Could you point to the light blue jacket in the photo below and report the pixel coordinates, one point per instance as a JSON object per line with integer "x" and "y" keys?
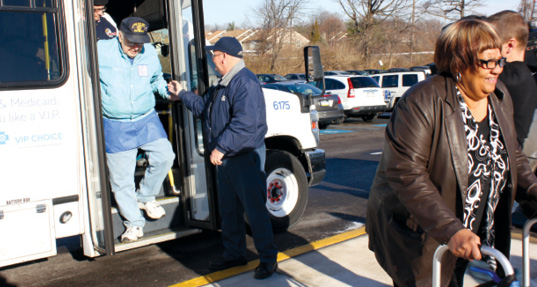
{"x": 127, "y": 89}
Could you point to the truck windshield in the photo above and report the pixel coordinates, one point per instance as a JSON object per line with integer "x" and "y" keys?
{"x": 29, "y": 52}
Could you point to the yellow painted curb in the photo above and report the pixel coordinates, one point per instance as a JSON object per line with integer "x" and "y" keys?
{"x": 216, "y": 276}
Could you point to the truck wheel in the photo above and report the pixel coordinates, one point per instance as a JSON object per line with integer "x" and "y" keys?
{"x": 287, "y": 189}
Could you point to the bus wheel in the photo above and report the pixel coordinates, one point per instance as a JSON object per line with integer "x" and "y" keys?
{"x": 287, "y": 189}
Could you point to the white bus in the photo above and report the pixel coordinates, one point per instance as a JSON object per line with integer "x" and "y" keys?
{"x": 54, "y": 181}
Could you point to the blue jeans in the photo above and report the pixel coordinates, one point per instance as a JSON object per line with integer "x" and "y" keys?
{"x": 242, "y": 190}
{"x": 122, "y": 166}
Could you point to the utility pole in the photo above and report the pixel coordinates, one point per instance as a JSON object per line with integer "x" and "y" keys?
{"x": 412, "y": 32}
{"x": 532, "y": 10}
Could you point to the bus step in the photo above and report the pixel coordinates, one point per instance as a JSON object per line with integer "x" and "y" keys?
{"x": 172, "y": 219}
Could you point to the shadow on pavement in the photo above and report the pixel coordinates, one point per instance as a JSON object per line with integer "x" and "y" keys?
{"x": 4, "y": 283}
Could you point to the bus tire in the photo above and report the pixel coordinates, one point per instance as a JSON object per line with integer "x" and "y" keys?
{"x": 287, "y": 189}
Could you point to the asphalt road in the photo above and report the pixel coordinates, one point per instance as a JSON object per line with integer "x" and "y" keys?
{"x": 336, "y": 205}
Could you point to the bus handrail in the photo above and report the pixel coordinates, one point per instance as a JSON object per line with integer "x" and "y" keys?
{"x": 526, "y": 252}
{"x": 485, "y": 250}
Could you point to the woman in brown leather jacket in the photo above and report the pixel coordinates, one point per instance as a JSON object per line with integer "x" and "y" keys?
{"x": 450, "y": 164}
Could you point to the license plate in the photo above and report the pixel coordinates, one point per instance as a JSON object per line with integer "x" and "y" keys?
{"x": 326, "y": 103}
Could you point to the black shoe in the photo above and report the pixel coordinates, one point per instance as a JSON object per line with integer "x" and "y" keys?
{"x": 265, "y": 270}
{"x": 225, "y": 264}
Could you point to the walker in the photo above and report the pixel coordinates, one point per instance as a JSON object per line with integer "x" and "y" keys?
{"x": 509, "y": 280}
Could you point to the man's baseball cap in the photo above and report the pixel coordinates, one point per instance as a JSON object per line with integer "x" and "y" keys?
{"x": 135, "y": 30}
{"x": 228, "y": 45}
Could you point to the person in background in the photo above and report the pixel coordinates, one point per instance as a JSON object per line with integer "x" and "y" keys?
{"x": 235, "y": 119}
{"x": 516, "y": 75}
{"x": 519, "y": 79}
{"x": 451, "y": 164}
{"x": 105, "y": 27}
{"x": 130, "y": 74}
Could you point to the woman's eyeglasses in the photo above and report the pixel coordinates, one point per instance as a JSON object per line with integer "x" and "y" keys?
{"x": 491, "y": 64}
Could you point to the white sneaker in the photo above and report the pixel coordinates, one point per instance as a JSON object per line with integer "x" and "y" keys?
{"x": 153, "y": 209}
{"x": 133, "y": 233}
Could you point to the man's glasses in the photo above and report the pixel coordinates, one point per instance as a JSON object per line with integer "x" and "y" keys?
{"x": 133, "y": 45}
{"x": 491, "y": 64}
{"x": 99, "y": 9}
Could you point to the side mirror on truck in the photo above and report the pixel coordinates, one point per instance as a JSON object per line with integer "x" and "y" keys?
{"x": 314, "y": 69}
{"x": 312, "y": 60}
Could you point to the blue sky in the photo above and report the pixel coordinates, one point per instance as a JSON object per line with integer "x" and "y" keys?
{"x": 226, "y": 11}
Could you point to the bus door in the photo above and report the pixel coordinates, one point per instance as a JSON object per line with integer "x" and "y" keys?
{"x": 186, "y": 193}
{"x": 189, "y": 67}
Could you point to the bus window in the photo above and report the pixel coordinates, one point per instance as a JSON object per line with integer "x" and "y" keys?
{"x": 28, "y": 3}
{"x": 29, "y": 50}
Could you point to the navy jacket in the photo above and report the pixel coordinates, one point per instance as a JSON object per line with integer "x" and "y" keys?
{"x": 519, "y": 81}
{"x": 234, "y": 112}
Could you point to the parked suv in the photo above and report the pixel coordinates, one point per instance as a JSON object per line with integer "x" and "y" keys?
{"x": 360, "y": 96}
{"x": 394, "y": 85}
{"x": 337, "y": 73}
{"x": 295, "y": 76}
{"x": 270, "y": 78}
{"x": 358, "y": 72}
{"x": 374, "y": 71}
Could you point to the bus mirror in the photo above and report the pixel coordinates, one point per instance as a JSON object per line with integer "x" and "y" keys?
{"x": 312, "y": 60}
{"x": 314, "y": 68}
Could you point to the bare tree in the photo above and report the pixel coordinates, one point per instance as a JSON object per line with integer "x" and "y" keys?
{"x": 412, "y": 30}
{"x": 278, "y": 16}
{"x": 526, "y": 9}
{"x": 451, "y": 10}
{"x": 331, "y": 25}
{"x": 397, "y": 38}
{"x": 366, "y": 15}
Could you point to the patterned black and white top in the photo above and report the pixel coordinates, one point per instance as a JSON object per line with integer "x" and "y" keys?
{"x": 488, "y": 168}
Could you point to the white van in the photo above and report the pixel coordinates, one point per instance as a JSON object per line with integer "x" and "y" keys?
{"x": 360, "y": 96}
{"x": 394, "y": 85}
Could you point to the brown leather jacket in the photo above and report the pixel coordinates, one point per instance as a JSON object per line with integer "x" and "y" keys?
{"x": 424, "y": 165}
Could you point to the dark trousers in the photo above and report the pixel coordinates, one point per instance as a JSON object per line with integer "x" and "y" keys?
{"x": 242, "y": 190}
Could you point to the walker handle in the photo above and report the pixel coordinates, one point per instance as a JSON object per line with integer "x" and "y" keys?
{"x": 437, "y": 264}
{"x": 507, "y": 267}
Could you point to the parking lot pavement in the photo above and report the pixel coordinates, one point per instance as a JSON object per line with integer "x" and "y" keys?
{"x": 343, "y": 260}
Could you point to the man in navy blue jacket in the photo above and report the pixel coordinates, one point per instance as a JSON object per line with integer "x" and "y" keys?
{"x": 105, "y": 27}
{"x": 235, "y": 119}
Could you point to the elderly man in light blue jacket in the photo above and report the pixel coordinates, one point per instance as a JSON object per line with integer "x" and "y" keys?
{"x": 130, "y": 74}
